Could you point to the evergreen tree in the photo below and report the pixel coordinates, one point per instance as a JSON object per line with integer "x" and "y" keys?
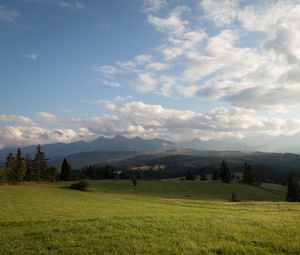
{"x": 3, "y": 175}
{"x": 250, "y": 176}
{"x": 8, "y": 158}
{"x": 293, "y": 192}
{"x": 50, "y": 174}
{"x": 15, "y": 168}
{"x": 160, "y": 172}
{"x": 65, "y": 173}
{"x": 21, "y": 166}
{"x": 28, "y": 174}
{"x": 225, "y": 173}
{"x": 39, "y": 165}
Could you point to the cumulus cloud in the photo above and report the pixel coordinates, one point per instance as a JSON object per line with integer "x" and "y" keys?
{"x": 16, "y": 118}
{"x": 136, "y": 118}
{"x": 222, "y": 65}
{"x": 144, "y": 82}
{"x": 47, "y": 117}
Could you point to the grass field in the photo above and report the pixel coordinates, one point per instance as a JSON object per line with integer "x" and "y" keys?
{"x": 156, "y": 217}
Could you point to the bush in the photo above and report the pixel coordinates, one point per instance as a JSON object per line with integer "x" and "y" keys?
{"x": 81, "y": 185}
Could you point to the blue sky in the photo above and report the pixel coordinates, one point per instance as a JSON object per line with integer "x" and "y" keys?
{"x": 208, "y": 69}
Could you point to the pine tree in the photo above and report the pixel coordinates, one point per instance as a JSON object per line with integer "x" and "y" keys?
{"x": 225, "y": 173}
{"x": 50, "y": 174}
{"x": 250, "y": 176}
{"x": 21, "y": 166}
{"x": 293, "y": 192}
{"x": 65, "y": 173}
{"x": 16, "y": 168}
{"x": 39, "y": 165}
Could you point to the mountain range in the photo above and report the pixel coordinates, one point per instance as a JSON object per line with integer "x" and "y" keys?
{"x": 103, "y": 144}
{"x": 122, "y": 145}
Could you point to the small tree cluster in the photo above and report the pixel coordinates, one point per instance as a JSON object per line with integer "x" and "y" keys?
{"x": 190, "y": 176}
{"x": 250, "y": 176}
{"x": 100, "y": 172}
{"x": 225, "y": 174}
{"x": 17, "y": 169}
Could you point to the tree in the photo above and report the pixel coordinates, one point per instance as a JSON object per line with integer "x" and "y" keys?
{"x": 3, "y": 175}
{"x": 21, "y": 166}
{"x": 134, "y": 182}
{"x": 15, "y": 168}
{"x": 293, "y": 191}
{"x": 160, "y": 172}
{"x": 50, "y": 174}
{"x": 39, "y": 165}
{"x": 65, "y": 173}
{"x": 225, "y": 173}
{"x": 250, "y": 176}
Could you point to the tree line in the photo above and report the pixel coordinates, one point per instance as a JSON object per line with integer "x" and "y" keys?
{"x": 249, "y": 177}
{"x": 18, "y": 169}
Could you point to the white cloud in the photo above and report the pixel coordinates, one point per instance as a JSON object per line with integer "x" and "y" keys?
{"x": 153, "y": 5}
{"x": 8, "y": 15}
{"x": 32, "y": 56}
{"x": 16, "y": 118}
{"x": 47, "y": 117}
{"x": 71, "y": 5}
{"x": 145, "y": 82}
{"x": 251, "y": 58}
{"x": 221, "y": 12}
{"x": 106, "y": 69}
{"x": 187, "y": 91}
{"x": 110, "y": 83}
{"x": 136, "y": 118}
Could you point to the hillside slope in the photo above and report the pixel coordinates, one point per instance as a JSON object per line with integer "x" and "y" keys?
{"x": 48, "y": 219}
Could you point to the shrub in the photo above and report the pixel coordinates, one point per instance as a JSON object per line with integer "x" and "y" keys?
{"x": 134, "y": 182}
{"x": 81, "y": 185}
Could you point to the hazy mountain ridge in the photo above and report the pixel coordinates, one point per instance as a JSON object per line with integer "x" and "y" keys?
{"x": 117, "y": 143}
{"x": 138, "y": 144}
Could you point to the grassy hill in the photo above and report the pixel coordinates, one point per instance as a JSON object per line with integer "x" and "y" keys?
{"x": 154, "y": 218}
{"x": 201, "y": 190}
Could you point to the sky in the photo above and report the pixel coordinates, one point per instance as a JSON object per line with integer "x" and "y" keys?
{"x": 208, "y": 69}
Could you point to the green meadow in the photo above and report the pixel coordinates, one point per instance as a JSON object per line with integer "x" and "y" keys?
{"x": 156, "y": 217}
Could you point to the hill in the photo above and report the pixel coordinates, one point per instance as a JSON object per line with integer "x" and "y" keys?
{"x": 275, "y": 166}
{"x": 199, "y": 190}
{"x": 50, "y": 219}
